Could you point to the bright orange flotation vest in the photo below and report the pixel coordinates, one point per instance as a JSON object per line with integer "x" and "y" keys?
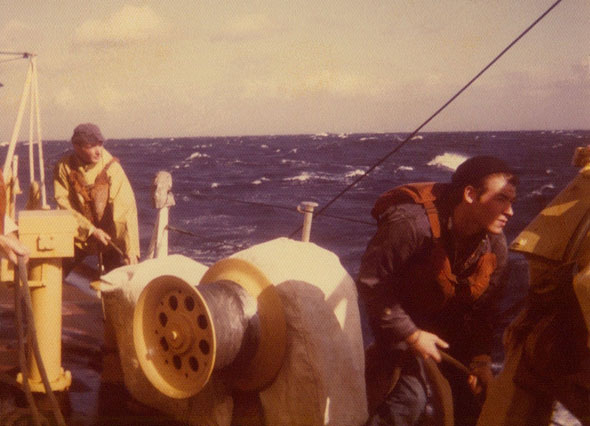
{"x": 437, "y": 266}
{"x": 95, "y": 196}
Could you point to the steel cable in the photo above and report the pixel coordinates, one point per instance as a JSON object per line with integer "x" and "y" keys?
{"x": 438, "y": 111}
{"x": 276, "y": 206}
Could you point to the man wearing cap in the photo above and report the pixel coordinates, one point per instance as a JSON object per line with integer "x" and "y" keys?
{"x": 430, "y": 280}
{"x": 92, "y": 184}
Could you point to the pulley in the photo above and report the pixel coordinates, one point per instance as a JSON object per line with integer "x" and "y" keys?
{"x": 232, "y": 322}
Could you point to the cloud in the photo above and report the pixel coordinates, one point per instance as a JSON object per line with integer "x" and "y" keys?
{"x": 311, "y": 84}
{"x": 65, "y": 98}
{"x": 247, "y": 27}
{"x": 15, "y": 32}
{"x": 111, "y": 99}
{"x": 131, "y": 24}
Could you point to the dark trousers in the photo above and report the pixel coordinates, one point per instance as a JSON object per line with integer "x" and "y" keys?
{"x": 406, "y": 404}
{"x": 410, "y": 401}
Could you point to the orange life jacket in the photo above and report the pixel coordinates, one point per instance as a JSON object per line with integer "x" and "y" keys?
{"x": 436, "y": 268}
{"x": 93, "y": 198}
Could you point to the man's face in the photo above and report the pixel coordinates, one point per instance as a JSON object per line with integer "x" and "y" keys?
{"x": 493, "y": 207}
{"x": 89, "y": 153}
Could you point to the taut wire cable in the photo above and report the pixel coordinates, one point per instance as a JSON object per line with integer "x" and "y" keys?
{"x": 438, "y": 111}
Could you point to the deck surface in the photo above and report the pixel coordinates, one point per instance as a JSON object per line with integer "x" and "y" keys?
{"x": 97, "y": 395}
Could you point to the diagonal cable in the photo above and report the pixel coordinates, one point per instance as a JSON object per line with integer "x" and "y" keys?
{"x": 429, "y": 119}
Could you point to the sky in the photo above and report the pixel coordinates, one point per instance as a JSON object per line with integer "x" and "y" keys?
{"x": 225, "y": 68}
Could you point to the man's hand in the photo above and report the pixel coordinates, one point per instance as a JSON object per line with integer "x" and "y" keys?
{"x": 481, "y": 373}
{"x": 101, "y": 236}
{"x": 426, "y": 344}
{"x": 131, "y": 259}
{"x": 11, "y": 247}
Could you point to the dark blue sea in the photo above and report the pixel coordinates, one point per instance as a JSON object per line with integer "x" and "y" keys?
{"x": 233, "y": 192}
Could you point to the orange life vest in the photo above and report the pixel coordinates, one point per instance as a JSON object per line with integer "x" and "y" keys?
{"x": 92, "y": 198}
{"x": 436, "y": 267}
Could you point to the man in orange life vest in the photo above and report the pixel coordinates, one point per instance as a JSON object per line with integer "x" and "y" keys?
{"x": 91, "y": 183}
{"x": 430, "y": 280}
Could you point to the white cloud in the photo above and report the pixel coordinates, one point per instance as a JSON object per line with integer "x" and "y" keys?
{"x": 247, "y": 27}
{"x": 110, "y": 99}
{"x": 128, "y": 25}
{"x": 65, "y": 98}
{"x": 323, "y": 81}
{"x": 14, "y": 32}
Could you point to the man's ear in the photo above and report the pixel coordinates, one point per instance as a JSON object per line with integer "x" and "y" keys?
{"x": 469, "y": 194}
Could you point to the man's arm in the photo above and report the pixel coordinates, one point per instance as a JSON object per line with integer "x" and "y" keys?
{"x": 398, "y": 237}
{"x": 11, "y": 248}
{"x": 61, "y": 190}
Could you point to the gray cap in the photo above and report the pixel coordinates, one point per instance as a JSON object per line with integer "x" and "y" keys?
{"x": 87, "y": 133}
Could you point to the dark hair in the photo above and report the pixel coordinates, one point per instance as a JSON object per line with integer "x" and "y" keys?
{"x": 475, "y": 172}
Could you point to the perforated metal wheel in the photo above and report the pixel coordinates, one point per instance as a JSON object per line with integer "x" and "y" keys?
{"x": 174, "y": 337}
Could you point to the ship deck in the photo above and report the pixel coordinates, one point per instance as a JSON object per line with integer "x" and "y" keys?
{"x": 97, "y": 395}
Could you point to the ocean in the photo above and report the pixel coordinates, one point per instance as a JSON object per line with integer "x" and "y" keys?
{"x": 234, "y": 192}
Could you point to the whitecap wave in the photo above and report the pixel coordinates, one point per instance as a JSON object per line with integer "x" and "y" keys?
{"x": 264, "y": 146}
{"x": 448, "y": 160}
{"x": 295, "y": 162}
{"x": 368, "y": 138}
{"x": 196, "y": 154}
{"x": 214, "y": 185}
{"x": 357, "y": 172}
{"x": 303, "y": 177}
{"x": 404, "y": 169}
{"x": 417, "y": 138}
{"x": 259, "y": 181}
{"x": 541, "y": 190}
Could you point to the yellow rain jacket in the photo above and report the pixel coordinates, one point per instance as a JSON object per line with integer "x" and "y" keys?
{"x": 124, "y": 229}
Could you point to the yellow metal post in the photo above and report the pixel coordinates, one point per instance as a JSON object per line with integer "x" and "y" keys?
{"x": 49, "y": 235}
{"x": 45, "y": 279}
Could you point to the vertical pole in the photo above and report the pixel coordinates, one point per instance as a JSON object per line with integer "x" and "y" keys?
{"x": 31, "y": 152}
{"x": 162, "y": 199}
{"x": 161, "y": 249}
{"x": 46, "y": 299}
{"x": 39, "y": 138}
{"x": 19, "y": 118}
{"x": 306, "y": 207}
{"x": 14, "y": 188}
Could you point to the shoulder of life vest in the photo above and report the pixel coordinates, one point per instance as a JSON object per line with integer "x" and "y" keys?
{"x": 424, "y": 193}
